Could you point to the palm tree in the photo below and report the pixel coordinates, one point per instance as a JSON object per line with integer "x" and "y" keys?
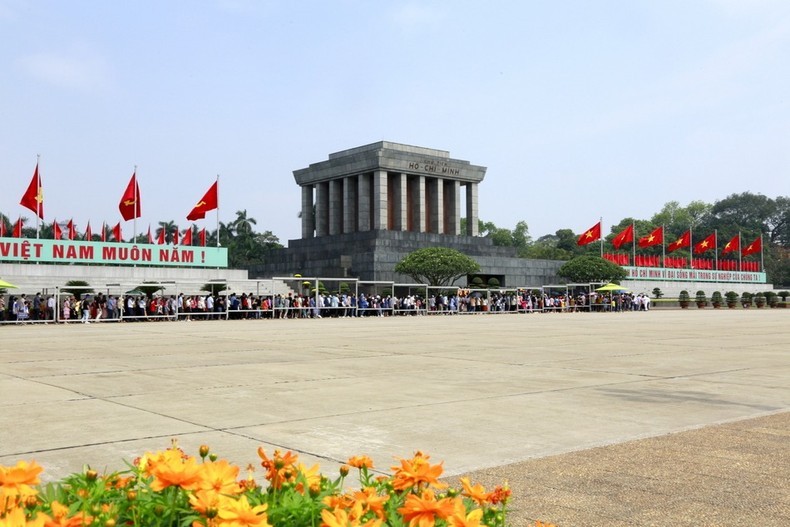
{"x": 242, "y": 224}
{"x": 168, "y": 227}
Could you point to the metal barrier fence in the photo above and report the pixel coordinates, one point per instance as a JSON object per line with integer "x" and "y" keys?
{"x": 292, "y": 297}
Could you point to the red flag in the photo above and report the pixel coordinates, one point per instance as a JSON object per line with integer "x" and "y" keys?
{"x": 733, "y": 245}
{"x": 116, "y": 232}
{"x": 2, "y": 228}
{"x": 57, "y": 232}
{"x": 161, "y": 239}
{"x": 103, "y": 232}
{"x": 88, "y": 232}
{"x": 150, "y": 237}
{"x": 654, "y": 238}
{"x": 754, "y": 247}
{"x": 130, "y": 201}
{"x": 592, "y": 234}
{"x": 203, "y": 236}
{"x": 209, "y": 201}
{"x": 627, "y": 235}
{"x": 18, "y": 228}
{"x": 705, "y": 245}
{"x": 683, "y": 241}
{"x": 72, "y": 231}
{"x": 187, "y": 238}
{"x": 175, "y": 236}
{"x": 33, "y": 197}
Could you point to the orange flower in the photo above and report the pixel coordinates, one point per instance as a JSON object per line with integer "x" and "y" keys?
{"x": 311, "y": 475}
{"x": 539, "y": 523}
{"x": 422, "y": 511}
{"x": 477, "y": 492}
{"x": 60, "y": 517}
{"x": 18, "y": 480}
{"x": 371, "y": 501}
{"x": 360, "y": 462}
{"x": 415, "y": 472}
{"x": 500, "y": 494}
{"x": 280, "y": 469}
{"x": 460, "y": 518}
{"x": 171, "y": 469}
{"x": 338, "y": 501}
{"x": 341, "y": 518}
{"x": 221, "y": 477}
{"x": 239, "y": 513}
{"x": 206, "y": 502}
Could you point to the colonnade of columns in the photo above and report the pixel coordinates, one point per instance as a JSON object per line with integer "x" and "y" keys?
{"x": 382, "y": 200}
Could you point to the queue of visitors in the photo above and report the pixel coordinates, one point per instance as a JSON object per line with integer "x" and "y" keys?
{"x": 89, "y": 308}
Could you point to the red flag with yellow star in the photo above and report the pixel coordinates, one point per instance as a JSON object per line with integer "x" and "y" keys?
{"x": 705, "y": 245}
{"x": 654, "y": 238}
{"x": 755, "y": 247}
{"x": 590, "y": 235}
{"x": 130, "y": 201}
{"x": 733, "y": 245}
{"x": 683, "y": 241}
{"x": 627, "y": 235}
{"x": 33, "y": 198}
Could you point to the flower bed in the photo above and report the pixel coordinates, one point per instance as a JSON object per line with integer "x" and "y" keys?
{"x": 171, "y": 488}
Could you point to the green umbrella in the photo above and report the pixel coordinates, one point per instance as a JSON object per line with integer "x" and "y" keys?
{"x": 134, "y": 292}
{"x": 7, "y": 285}
{"x": 611, "y": 287}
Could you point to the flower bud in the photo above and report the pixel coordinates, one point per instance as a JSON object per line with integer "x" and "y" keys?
{"x": 212, "y": 457}
{"x": 109, "y": 523}
{"x": 344, "y": 470}
{"x": 131, "y": 495}
{"x": 203, "y": 451}
{"x": 91, "y": 474}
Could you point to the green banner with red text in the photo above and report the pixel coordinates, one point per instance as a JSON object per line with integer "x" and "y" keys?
{"x": 81, "y": 252}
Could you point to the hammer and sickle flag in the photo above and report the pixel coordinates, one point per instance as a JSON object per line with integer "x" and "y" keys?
{"x": 130, "y": 201}
{"x": 209, "y": 201}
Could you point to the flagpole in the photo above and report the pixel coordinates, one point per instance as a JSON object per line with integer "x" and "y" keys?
{"x": 39, "y": 198}
{"x": 136, "y": 205}
{"x": 633, "y": 244}
{"x": 740, "y": 253}
{"x": 716, "y": 249}
{"x": 217, "y": 210}
{"x": 663, "y": 246}
{"x": 691, "y": 249}
{"x": 762, "y": 261}
{"x": 600, "y": 222}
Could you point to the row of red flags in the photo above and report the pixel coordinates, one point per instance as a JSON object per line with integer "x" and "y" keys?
{"x": 70, "y": 232}
{"x": 641, "y": 260}
{"x": 657, "y": 238}
{"x": 129, "y": 205}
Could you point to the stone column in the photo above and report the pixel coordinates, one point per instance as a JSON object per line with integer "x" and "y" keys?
{"x": 379, "y": 199}
{"x": 435, "y": 187}
{"x": 349, "y": 204}
{"x": 400, "y": 202}
{"x": 471, "y": 210}
{"x": 322, "y": 208}
{"x": 452, "y": 209}
{"x": 418, "y": 204}
{"x": 308, "y": 218}
{"x": 335, "y": 206}
{"x": 363, "y": 202}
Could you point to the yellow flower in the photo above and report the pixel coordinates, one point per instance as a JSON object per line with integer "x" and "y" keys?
{"x": 239, "y": 513}
{"x": 416, "y": 472}
{"x": 60, "y": 517}
{"x": 19, "y": 479}
{"x": 341, "y": 518}
{"x": 172, "y": 469}
{"x": 16, "y": 518}
{"x": 461, "y": 518}
{"x": 311, "y": 475}
{"x": 422, "y": 511}
{"x": 221, "y": 477}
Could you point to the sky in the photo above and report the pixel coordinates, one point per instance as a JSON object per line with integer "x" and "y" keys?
{"x": 579, "y": 110}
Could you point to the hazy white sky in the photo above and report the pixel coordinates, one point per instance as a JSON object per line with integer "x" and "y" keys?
{"x": 579, "y": 109}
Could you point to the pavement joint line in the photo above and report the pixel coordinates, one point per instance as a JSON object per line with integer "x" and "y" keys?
{"x": 99, "y": 443}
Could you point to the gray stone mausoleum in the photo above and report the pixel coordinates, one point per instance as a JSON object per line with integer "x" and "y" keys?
{"x": 365, "y": 208}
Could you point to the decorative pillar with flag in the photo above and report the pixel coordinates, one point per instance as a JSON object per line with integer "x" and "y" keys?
{"x": 203, "y": 237}
{"x": 150, "y": 237}
{"x": 33, "y": 198}
{"x": 116, "y": 232}
{"x": 130, "y": 201}
{"x": 18, "y": 228}
{"x": 88, "y": 232}
{"x": 175, "y": 236}
{"x": 209, "y": 201}
{"x": 72, "y": 230}
{"x": 57, "y": 232}
{"x": 187, "y": 238}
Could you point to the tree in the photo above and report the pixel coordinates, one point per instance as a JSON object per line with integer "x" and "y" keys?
{"x": 437, "y": 266}
{"x": 586, "y": 269}
{"x": 169, "y": 227}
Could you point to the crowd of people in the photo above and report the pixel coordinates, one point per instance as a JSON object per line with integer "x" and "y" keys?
{"x": 87, "y": 308}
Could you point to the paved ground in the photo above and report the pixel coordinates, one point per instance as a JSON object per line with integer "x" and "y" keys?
{"x": 501, "y": 394}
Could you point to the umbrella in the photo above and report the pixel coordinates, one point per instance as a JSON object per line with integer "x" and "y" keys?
{"x": 134, "y": 292}
{"x": 611, "y": 287}
{"x": 7, "y": 285}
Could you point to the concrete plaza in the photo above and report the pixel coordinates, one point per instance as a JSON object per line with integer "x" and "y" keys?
{"x": 480, "y": 392}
